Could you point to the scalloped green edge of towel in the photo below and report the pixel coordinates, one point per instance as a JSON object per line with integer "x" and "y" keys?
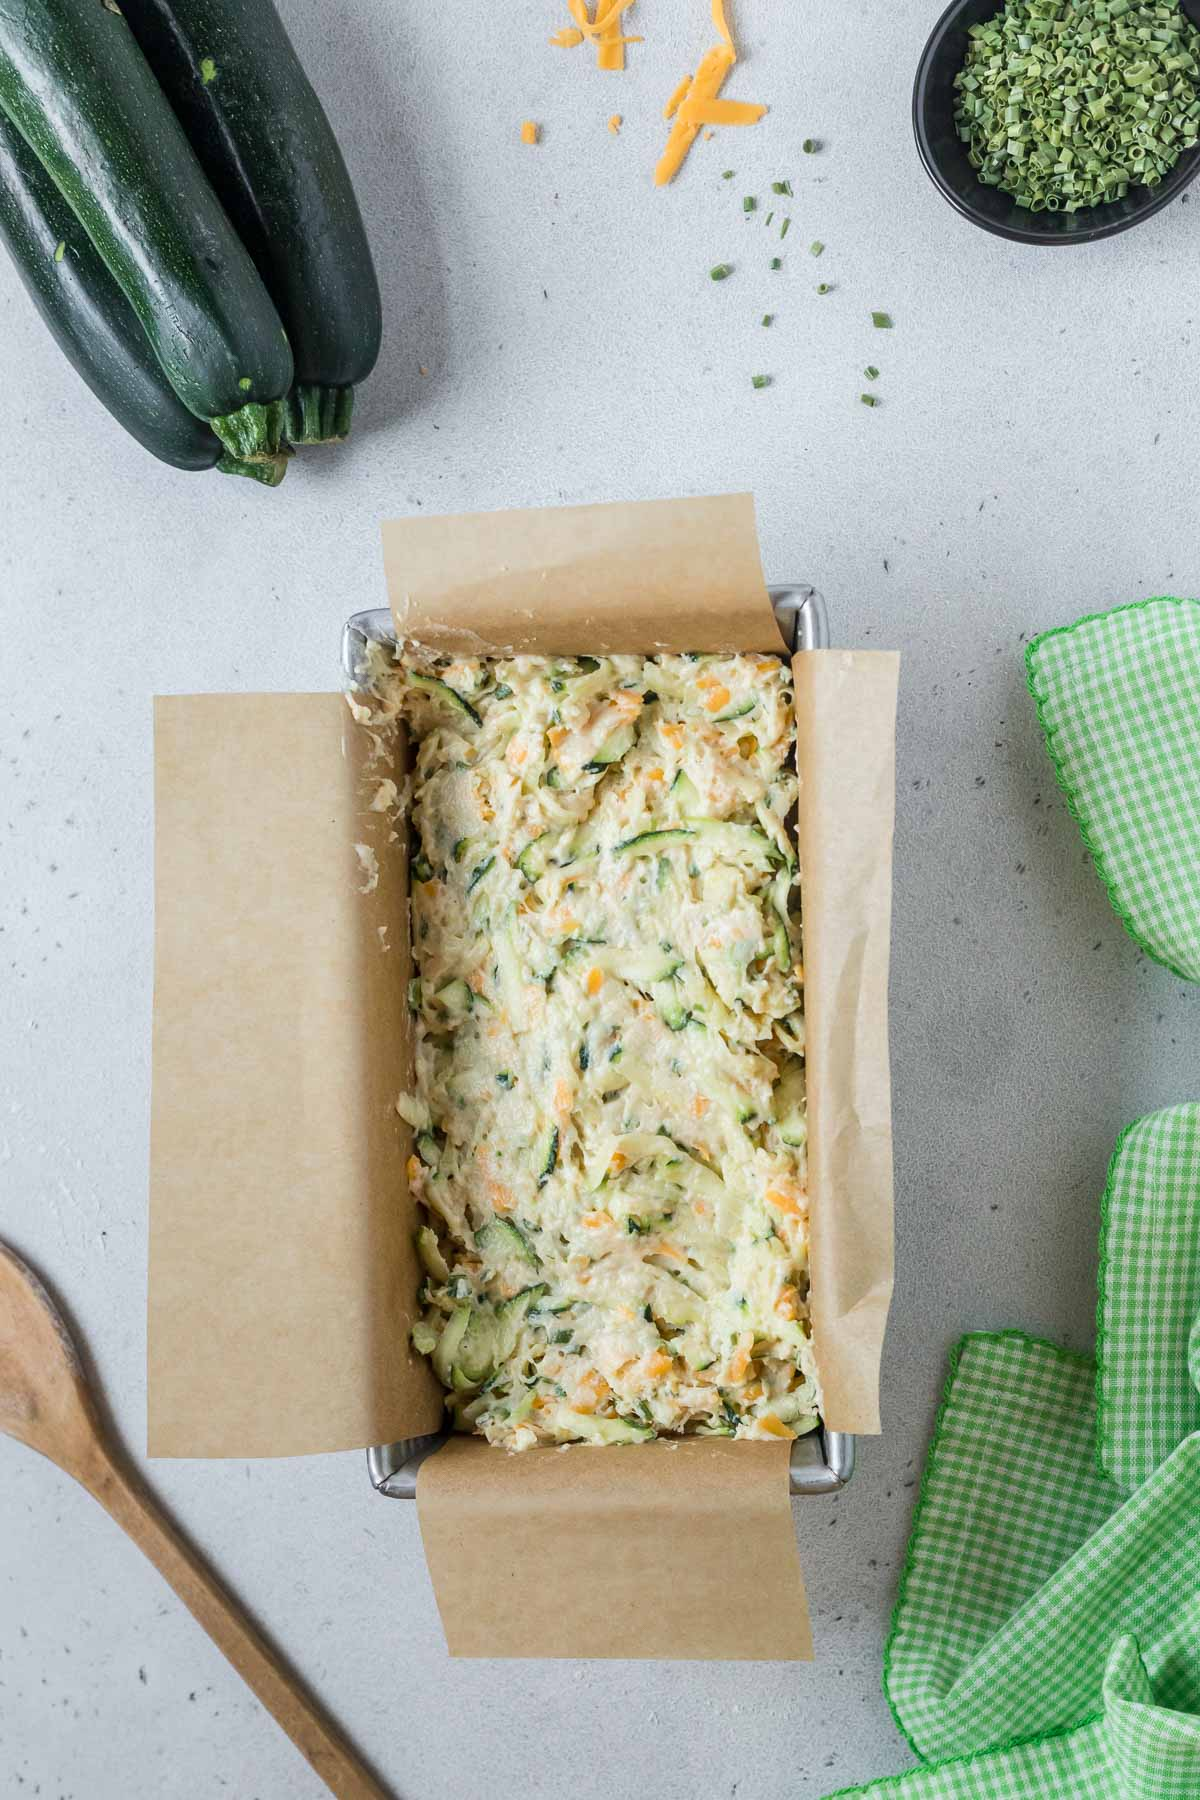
{"x": 885, "y": 1784}
{"x": 1120, "y": 893}
{"x": 1133, "y": 1748}
{"x": 1073, "y": 1359}
{"x": 1148, "y": 1294}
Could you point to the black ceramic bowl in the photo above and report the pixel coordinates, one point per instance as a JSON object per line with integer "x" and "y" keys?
{"x": 945, "y": 156}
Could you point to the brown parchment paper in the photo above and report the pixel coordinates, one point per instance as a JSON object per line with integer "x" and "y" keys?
{"x": 282, "y": 1272}
{"x": 660, "y": 1550}
{"x": 845, "y": 755}
{"x": 564, "y": 580}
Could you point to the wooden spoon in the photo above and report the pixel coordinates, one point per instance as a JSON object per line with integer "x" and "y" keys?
{"x": 47, "y": 1403}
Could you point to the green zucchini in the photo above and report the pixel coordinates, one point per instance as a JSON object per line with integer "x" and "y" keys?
{"x": 549, "y": 1158}
{"x": 501, "y": 1241}
{"x": 598, "y": 1429}
{"x": 685, "y": 792}
{"x": 533, "y": 860}
{"x": 788, "y": 1105}
{"x": 229, "y": 70}
{"x": 455, "y": 998}
{"x": 661, "y": 838}
{"x": 723, "y": 835}
{"x": 87, "y": 314}
{"x": 644, "y": 968}
{"x": 671, "y": 1010}
{"x": 450, "y": 1341}
{"x": 429, "y": 1250}
{"x": 79, "y": 90}
{"x": 618, "y": 744}
{"x": 478, "y": 873}
{"x": 441, "y": 690}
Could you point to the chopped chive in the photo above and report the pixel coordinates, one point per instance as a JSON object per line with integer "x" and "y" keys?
{"x": 749, "y": 203}
{"x": 869, "y": 399}
{"x": 720, "y": 271}
{"x": 727, "y": 175}
{"x": 808, "y": 146}
{"x": 816, "y": 248}
{"x": 60, "y": 250}
{"x": 767, "y": 318}
{"x": 871, "y": 372}
{"x": 1071, "y": 111}
{"x": 760, "y": 381}
{"x": 881, "y": 321}
{"x": 777, "y": 262}
{"x": 782, "y": 187}
{"x": 785, "y": 227}
{"x": 823, "y": 287}
{"x": 768, "y": 218}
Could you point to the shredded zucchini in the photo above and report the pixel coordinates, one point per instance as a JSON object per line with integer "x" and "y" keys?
{"x": 609, "y": 1097}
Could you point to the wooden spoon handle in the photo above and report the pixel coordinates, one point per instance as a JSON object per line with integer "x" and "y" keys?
{"x": 259, "y": 1665}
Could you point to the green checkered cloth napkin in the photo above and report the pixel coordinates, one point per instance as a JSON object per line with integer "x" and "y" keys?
{"x": 1149, "y": 1294}
{"x": 1133, "y": 1748}
{"x": 1046, "y": 1639}
{"x": 1118, "y": 696}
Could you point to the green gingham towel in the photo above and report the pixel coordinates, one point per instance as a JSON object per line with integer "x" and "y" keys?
{"x": 1149, "y": 1295}
{"x": 1132, "y": 1749}
{"x": 1046, "y": 1640}
{"x": 1119, "y": 698}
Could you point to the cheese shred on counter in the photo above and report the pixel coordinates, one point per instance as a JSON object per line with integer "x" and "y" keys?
{"x": 609, "y": 1108}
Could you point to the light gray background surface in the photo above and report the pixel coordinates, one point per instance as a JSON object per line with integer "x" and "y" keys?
{"x": 1033, "y": 459}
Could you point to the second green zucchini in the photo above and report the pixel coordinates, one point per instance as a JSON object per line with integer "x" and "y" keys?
{"x": 229, "y": 70}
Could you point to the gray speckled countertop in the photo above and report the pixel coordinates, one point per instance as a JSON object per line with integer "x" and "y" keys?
{"x": 1032, "y": 460}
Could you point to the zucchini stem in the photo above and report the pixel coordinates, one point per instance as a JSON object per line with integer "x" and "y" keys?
{"x": 254, "y": 432}
{"x": 314, "y": 414}
{"x": 269, "y": 470}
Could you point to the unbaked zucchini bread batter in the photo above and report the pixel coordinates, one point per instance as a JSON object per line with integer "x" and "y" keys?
{"x": 609, "y": 1108}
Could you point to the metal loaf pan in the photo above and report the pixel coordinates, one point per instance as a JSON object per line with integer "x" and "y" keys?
{"x": 822, "y": 1462}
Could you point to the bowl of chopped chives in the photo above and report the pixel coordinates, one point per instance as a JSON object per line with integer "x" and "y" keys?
{"x": 1060, "y": 121}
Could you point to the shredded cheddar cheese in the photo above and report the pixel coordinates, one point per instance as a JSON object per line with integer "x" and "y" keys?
{"x": 695, "y": 102}
{"x": 610, "y": 47}
{"x": 677, "y": 98}
{"x": 530, "y": 132}
{"x": 605, "y": 29}
{"x": 714, "y": 66}
{"x": 694, "y": 106}
{"x": 720, "y": 112}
